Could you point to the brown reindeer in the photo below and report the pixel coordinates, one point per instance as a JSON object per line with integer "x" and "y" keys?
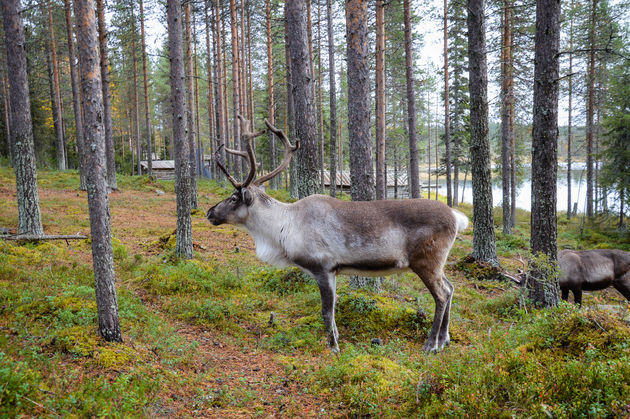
{"x": 325, "y": 236}
{"x": 591, "y": 270}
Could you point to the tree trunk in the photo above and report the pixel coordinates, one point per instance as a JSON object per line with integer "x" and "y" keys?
{"x": 381, "y": 176}
{"x": 76, "y": 96}
{"x": 29, "y": 217}
{"x": 183, "y": 177}
{"x": 271, "y": 108}
{"x": 147, "y": 113}
{"x": 290, "y": 120}
{"x": 107, "y": 99}
{"x": 55, "y": 94}
{"x": 320, "y": 111}
{"x": 136, "y": 102}
{"x": 98, "y": 203}
{"x": 414, "y": 177}
{"x": 429, "y": 147}
{"x": 4, "y": 85}
{"x": 543, "y": 289}
{"x": 333, "y": 100}
{"x": 361, "y": 174}
{"x": 570, "y": 118}
{"x": 447, "y": 119}
{"x": 250, "y": 110}
{"x": 590, "y": 111}
{"x": 302, "y": 91}
{"x": 200, "y": 150}
{"x": 506, "y": 75}
{"x": 221, "y": 102}
{"x": 236, "y": 134}
{"x": 211, "y": 110}
{"x": 484, "y": 247}
{"x": 190, "y": 108}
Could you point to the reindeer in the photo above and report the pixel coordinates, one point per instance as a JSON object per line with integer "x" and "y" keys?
{"x": 592, "y": 270}
{"x": 325, "y": 237}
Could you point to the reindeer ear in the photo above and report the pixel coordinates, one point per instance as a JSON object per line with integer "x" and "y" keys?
{"x": 248, "y": 198}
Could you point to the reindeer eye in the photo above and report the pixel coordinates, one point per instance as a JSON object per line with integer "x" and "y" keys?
{"x": 233, "y": 198}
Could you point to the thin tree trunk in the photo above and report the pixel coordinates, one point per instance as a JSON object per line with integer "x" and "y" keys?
{"x": 110, "y": 158}
{"x": 222, "y": 122}
{"x": 447, "y": 126}
{"x": 135, "y": 94}
{"x": 76, "y": 96}
{"x": 56, "y": 95}
{"x": 333, "y": 100}
{"x": 590, "y": 111}
{"x": 147, "y": 113}
{"x": 211, "y": 109}
{"x": 506, "y": 75}
{"x": 250, "y": 73}
{"x": 512, "y": 164}
{"x": 183, "y": 172}
{"x": 200, "y": 148}
{"x": 429, "y": 147}
{"x": 320, "y": 111}
{"x": 484, "y": 247}
{"x": 271, "y": 108}
{"x": 570, "y": 118}
{"x": 243, "y": 64}
{"x": 98, "y": 203}
{"x": 190, "y": 108}
{"x": 235, "y": 86}
{"x": 29, "y": 216}
{"x": 381, "y": 176}
{"x": 543, "y": 289}
{"x": 303, "y": 99}
{"x": 290, "y": 120}
{"x": 5, "y": 112}
{"x": 414, "y": 178}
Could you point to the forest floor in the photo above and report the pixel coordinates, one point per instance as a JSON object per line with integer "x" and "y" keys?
{"x": 198, "y": 340}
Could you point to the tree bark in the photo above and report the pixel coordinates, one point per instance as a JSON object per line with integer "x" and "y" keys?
{"x": 414, "y": 177}
{"x": 381, "y": 176}
{"x": 333, "y": 100}
{"x": 361, "y": 172}
{"x": 302, "y": 91}
{"x": 136, "y": 102}
{"x": 270, "y": 91}
{"x": 221, "y": 96}
{"x": 542, "y": 289}
{"x": 76, "y": 96}
{"x": 147, "y": 112}
{"x": 107, "y": 99}
{"x": 56, "y": 95}
{"x": 290, "y": 113}
{"x": 447, "y": 118}
{"x": 29, "y": 216}
{"x": 590, "y": 110}
{"x": 190, "y": 108}
{"x": 570, "y": 117}
{"x": 211, "y": 108}
{"x": 183, "y": 177}
{"x": 199, "y": 155}
{"x": 320, "y": 111}
{"x": 484, "y": 246}
{"x": 506, "y": 103}
{"x": 98, "y": 203}
{"x": 236, "y": 134}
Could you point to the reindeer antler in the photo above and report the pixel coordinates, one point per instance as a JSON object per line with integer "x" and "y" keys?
{"x": 288, "y": 153}
{"x": 248, "y": 135}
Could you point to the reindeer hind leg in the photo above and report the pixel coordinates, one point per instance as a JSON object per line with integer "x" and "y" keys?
{"x": 444, "y": 338}
{"x": 623, "y": 285}
{"x": 442, "y": 294}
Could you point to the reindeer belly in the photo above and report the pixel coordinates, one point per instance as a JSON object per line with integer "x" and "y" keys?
{"x": 598, "y": 277}
{"x": 372, "y": 267}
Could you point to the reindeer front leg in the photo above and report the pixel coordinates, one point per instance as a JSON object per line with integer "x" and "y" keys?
{"x": 327, "y": 288}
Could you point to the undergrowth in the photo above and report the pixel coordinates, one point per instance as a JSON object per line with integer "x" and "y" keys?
{"x": 505, "y": 359}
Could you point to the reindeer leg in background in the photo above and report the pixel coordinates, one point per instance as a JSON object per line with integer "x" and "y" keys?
{"x": 327, "y": 289}
{"x": 565, "y": 294}
{"x": 577, "y": 296}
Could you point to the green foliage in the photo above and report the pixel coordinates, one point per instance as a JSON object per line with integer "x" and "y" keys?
{"x": 17, "y": 384}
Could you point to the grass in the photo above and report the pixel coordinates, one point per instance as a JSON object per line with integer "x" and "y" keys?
{"x": 198, "y": 339}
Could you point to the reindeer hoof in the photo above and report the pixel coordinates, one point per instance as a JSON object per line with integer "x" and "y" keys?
{"x": 430, "y": 348}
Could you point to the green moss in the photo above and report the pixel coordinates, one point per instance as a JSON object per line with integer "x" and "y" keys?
{"x": 283, "y": 281}
{"x": 77, "y": 340}
{"x": 114, "y": 355}
{"x": 367, "y": 384}
{"x": 366, "y": 315}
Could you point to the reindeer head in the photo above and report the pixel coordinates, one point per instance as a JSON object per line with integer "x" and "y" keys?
{"x": 235, "y": 209}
